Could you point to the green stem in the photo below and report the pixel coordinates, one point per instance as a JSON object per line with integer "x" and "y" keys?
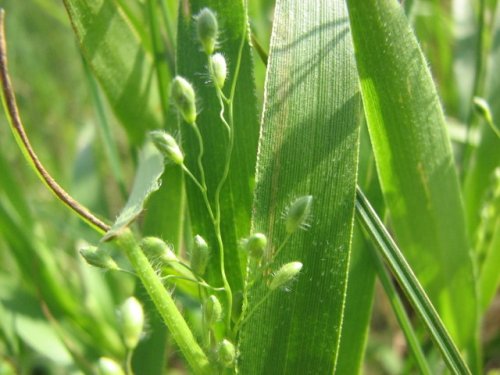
{"x": 128, "y": 363}
{"x": 202, "y": 185}
{"x": 199, "y": 281}
{"x": 165, "y": 305}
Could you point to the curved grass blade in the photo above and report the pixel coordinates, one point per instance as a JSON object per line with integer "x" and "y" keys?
{"x": 415, "y": 162}
{"x": 308, "y": 146}
{"x": 400, "y": 269}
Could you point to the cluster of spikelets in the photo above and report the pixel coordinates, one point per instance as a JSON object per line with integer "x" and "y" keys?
{"x": 260, "y": 254}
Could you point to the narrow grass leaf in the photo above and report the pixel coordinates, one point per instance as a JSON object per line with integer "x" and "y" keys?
{"x": 389, "y": 251}
{"x": 404, "y": 321}
{"x": 414, "y": 161}
{"x": 489, "y": 279}
{"x": 308, "y": 146}
{"x": 486, "y": 157}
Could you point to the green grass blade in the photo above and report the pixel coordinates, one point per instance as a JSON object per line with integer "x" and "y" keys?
{"x": 308, "y": 145}
{"x": 414, "y": 161}
{"x": 109, "y": 143}
{"x": 121, "y": 65}
{"x": 237, "y": 192}
{"x": 486, "y": 157}
{"x": 395, "y": 260}
{"x": 402, "y": 316}
{"x": 489, "y": 279}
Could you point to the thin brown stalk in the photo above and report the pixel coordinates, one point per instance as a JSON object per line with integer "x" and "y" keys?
{"x": 17, "y": 128}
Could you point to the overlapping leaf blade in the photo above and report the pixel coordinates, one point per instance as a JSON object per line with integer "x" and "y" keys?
{"x": 414, "y": 161}
{"x": 308, "y": 145}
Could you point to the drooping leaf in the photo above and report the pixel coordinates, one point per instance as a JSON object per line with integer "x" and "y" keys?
{"x": 414, "y": 161}
{"x": 308, "y": 146}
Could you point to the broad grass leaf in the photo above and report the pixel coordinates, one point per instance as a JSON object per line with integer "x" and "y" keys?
{"x": 308, "y": 146}
{"x": 414, "y": 161}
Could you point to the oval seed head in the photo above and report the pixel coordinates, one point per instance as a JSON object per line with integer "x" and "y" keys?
{"x": 298, "y": 213}
{"x": 219, "y": 69}
{"x": 156, "y": 248}
{"x": 207, "y": 28}
{"x": 256, "y": 245}
{"x": 226, "y": 353}
{"x": 98, "y": 258}
{"x": 184, "y": 99}
{"x": 107, "y": 366}
{"x": 212, "y": 310}
{"x": 168, "y": 146}
{"x": 131, "y": 321}
{"x": 285, "y": 274}
{"x": 199, "y": 256}
{"x": 483, "y": 108}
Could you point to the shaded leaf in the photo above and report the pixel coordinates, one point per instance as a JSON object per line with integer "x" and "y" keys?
{"x": 308, "y": 146}
{"x": 123, "y": 68}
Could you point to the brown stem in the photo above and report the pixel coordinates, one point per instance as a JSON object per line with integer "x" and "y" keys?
{"x": 17, "y": 128}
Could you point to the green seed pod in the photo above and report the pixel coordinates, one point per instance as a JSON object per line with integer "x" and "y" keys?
{"x": 199, "y": 256}
{"x": 98, "y": 258}
{"x": 256, "y": 245}
{"x": 226, "y": 353}
{"x": 131, "y": 322}
{"x": 207, "y": 28}
{"x": 184, "y": 99}
{"x": 168, "y": 146}
{"x": 285, "y": 274}
{"x": 107, "y": 366}
{"x": 297, "y": 214}
{"x": 483, "y": 108}
{"x": 219, "y": 69}
{"x": 212, "y": 310}
{"x": 156, "y": 248}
